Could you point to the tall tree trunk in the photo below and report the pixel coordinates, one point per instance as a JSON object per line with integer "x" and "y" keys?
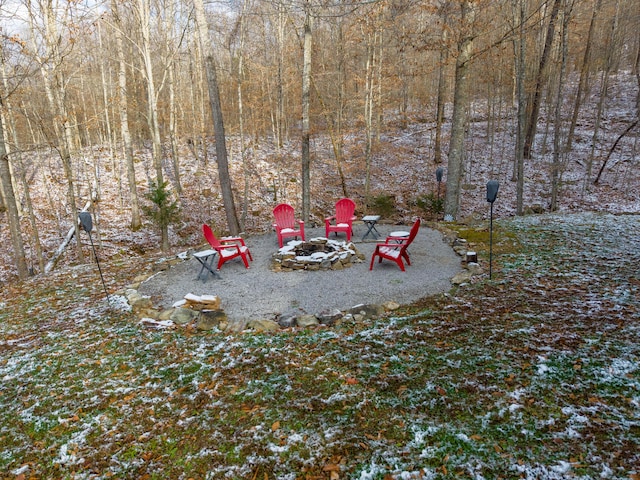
{"x": 306, "y": 101}
{"x": 604, "y": 90}
{"x": 168, "y": 24}
{"x": 459, "y": 120}
{"x": 123, "y": 92}
{"x": 54, "y": 86}
{"x": 144, "y": 20}
{"x": 243, "y": 148}
{"x": 521, "y": 67}
{"x": 368, "y": 110}
{"x": 173, "y": 123}
{"x": 6, "y": 183}
{"x": 10, "y": 122}
{"x": 532, "y": 124}
{"x": 557, "y": 164}
{"x": 218, "y": 121}
{"x": 440, "y": 101}
{"x": 584, "y": 73}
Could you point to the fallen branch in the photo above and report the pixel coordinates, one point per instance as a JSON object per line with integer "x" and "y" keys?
{"x": 51, "y": 264}
{"x": 613, "y": 147}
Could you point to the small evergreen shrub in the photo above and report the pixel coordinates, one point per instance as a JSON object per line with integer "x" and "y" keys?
{"x": 163, "y": 210}
{"x": 430, "y": 204}
{"x": 383, "y": 205}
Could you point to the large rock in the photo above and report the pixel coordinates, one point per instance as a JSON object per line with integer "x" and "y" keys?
{"x": 183, "y": 316}
{"x": 290, "y": 317}
{"x": 329, "y": 317}
{"x": 263, "y": 326}
{"x": 210, "y": 319}
{"x": 367, "y": 311}
{"x": 307, "y": 321}
{"x": 462, "y": 277}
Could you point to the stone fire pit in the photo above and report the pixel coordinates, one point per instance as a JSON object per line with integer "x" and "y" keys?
{"x": 316, "y": 254}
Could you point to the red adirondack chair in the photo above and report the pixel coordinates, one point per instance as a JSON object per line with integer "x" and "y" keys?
{"x": 285, "y": 223}
{"x": 227, "y": 247}
{"x": 344, "y": 217}
{"x": 395, "y": 248}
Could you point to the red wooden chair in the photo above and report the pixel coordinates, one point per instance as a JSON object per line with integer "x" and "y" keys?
{"x": 227, "y": 247}
{"x": 344, "y": 217}
{"x": 395, "y": 248}
{"x": 285, "y": 223}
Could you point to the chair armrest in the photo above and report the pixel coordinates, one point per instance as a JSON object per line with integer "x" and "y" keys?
{"x": 391, "y": 245}
{"x": 398, "y": 240}
{"x": 230, "y": 241}
{"x": 300, "y": 222}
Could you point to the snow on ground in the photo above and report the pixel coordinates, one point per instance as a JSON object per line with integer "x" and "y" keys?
{"x": 402, "y": 166}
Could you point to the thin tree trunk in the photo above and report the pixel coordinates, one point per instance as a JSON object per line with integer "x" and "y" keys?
{"x": 218, "y": 121}
{"x": 459, "y": 120}
{"x": 532, "y": 124}
{"x": 10, "y": 121}
{"x": 521, "y": 99}
{"x": 440, "y": 101}
{"x": 604, "y": 90}
{"x": 54, "y": 86}
{"x": 368, "y": 112}
{"x": 306, "y": 101}
{"x": 558, "y": 153}
{"x": 13, "y": 219}
{"x": 584, "y": 73}
{"x": 123, "y": 92}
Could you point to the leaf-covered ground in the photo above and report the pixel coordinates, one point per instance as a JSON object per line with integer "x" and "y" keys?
{"x": 533, "y": 374}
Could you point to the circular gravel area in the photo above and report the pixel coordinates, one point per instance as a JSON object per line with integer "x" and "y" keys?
{"x": 261, "y": 293}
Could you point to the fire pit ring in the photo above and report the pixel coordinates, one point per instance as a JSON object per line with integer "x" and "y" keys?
{"x": 318, "y": 253}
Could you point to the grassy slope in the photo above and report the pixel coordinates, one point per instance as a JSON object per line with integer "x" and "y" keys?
{"x": 534, "y": 374}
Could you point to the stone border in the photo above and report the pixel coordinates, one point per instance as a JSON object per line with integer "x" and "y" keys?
{"x": 204, "y": 313}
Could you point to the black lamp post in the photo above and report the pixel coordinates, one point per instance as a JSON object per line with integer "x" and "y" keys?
{"x": 439, "y": 173}
{"x": 492, "y": 193}
{"x": 87, "y": 225}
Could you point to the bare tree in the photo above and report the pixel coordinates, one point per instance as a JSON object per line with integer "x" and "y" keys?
{"x": 534, "y": 109}
{"x": 123, "y": 104}
{"x": 218, "y": 121}
{"x": 306, "y": 105}
{"x": 6, "y": 183}
{"x": 460, "y": 101}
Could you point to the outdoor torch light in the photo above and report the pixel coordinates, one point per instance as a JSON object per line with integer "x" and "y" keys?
{"x": 86, "y": 223}
{"x": 492, "y": 193}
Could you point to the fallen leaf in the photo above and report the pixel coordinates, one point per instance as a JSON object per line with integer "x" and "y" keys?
{"x": 275, "y": 426}
{"x": 331, "y": 467}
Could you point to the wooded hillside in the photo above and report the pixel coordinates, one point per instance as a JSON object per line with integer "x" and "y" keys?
{"x": 310, "y": 101}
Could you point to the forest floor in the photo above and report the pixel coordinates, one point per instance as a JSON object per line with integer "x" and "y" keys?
{"x": 531, "y": 374}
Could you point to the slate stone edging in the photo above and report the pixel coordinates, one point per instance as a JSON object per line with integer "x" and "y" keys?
{"x": 209, "y": 317}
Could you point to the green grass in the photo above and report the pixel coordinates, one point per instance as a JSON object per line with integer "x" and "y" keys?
{"x": 533, "y": 374}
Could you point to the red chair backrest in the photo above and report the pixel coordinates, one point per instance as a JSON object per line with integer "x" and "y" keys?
{"x": 284, "y": 215}
{"x": 345, "y": 207}
{"x": 413, "y": 232}
{"x": 211, "y": 238}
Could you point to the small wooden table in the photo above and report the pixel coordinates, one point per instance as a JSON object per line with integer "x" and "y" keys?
{"x": 370, "y": 221}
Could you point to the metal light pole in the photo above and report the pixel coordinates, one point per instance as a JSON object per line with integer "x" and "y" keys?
{"x": 492, "y": 193}
{"x": 439, "y": 172}
{"x": 87, "y": 225}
